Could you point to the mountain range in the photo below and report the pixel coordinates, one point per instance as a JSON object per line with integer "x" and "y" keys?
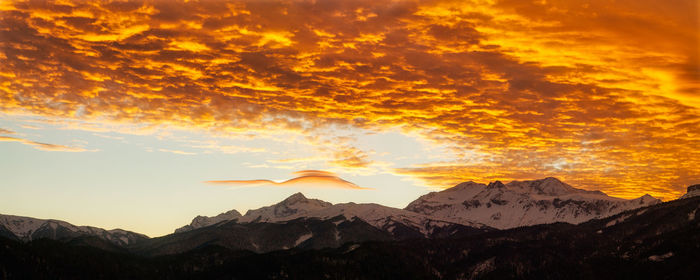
{"x": 660, "y": 241}
{"x": 522, "y": 203}
{"x": 298, "y": 222}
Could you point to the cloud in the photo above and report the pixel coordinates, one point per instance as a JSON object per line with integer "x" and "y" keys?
{"x": 213, "y": 146}
{"x": 617, "y": 181}
{"x": 610, "y": 87}
{"x": 178, "y": 152}
{"x": 350, "y": 157}
{"x": 5, "y": 131}
{"x": 44, "y": 146}
{"x": 306, "y": 178}
{"x": 297, "y": 160}
{"x": 27, "y": 126}
{"x": 108, "y": 136}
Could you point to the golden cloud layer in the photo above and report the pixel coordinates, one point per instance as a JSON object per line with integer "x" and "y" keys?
{"x": 6, "y": 131}
{"x": 305, "y": 178}
{"x": 602, "y": 93}
{"x": 43, "y": 146}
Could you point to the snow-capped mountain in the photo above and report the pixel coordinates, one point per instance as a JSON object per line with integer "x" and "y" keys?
{"x": 297, "y": 205}
{"x": 203, "y": 221}
{"x": 522, "y": 203}
{"x": 393, "y": 220}
{"x": 300, "y": 222}
{"x": 693, "y": 191}
{"x": 28, "y": 229}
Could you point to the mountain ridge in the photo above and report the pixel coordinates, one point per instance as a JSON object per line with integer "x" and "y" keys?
{"x": 693, "y": 191}
{"x": 539, "y": 192}
{"x": 522, "y": 203}
{"x": 313, "y": 223}
{"x": 28, "y": 228}
{"x": 661, "y": 241}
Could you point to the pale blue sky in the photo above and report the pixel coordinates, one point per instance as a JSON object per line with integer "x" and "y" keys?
{"x": 133, "y": 182}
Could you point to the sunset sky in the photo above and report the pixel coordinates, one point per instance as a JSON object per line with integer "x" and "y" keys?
{"x": 142, "y": 115}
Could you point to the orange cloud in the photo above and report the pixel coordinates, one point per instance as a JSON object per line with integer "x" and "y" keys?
{"x": 44, "y": 146}
{"x": 350, "y": 157}
{"x": 5, "y": 131}
{"x": 606, "y": 90}
{"x": 306, "y": 178}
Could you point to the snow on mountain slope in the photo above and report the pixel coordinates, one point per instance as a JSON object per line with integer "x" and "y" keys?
{"x": 386, "y": 217}
{"x": 21, "y": 227}
{"x": 297, "y": 205}
{"x": 382, "y": 217}
{"x": 28, "y": 229}
{"x": 519, "y": 203}
{"x": 203, "y": 221}
{"x": 522, "y": 203}
{"x": 379, "y": 216}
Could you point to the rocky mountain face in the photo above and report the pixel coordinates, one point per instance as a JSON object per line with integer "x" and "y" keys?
{"x": 693, "y": 191}
{"x": 522, "y": 203}
{"x": 28, "y": 229}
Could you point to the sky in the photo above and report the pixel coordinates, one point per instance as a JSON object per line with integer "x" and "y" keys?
{"x": 143, "y": 114}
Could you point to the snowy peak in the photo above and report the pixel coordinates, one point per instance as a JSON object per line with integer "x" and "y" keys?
{"x": 298, "y": 201}
{"x": 298, "y": 198}
{"x": 296, "y": 204}
{"x": 522, "y": 203}
{"x": 548, "y": 186}
{"x": 645, "y": 199}
{"x": 693, "y": 190}
{"x": 464, "y": 186}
